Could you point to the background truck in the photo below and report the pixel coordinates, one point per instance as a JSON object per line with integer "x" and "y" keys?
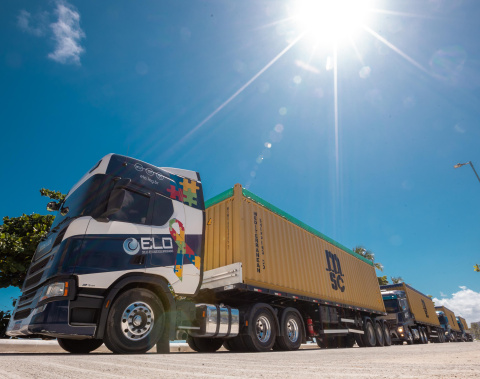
{"x": 133, "y": 260}
{"x": 466, "y": 335}
{"x": 449, "y": 324}
{"x": 411, "y": 315}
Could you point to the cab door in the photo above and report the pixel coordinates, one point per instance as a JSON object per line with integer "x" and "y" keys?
{"x": 118, "y": 246}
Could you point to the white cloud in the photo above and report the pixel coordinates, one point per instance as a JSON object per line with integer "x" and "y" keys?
{"x": 67, "y": 34}
{"x": 35, "y": 25}
{"x": 465, "y": 303}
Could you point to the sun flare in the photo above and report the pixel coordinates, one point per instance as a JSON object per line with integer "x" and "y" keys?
{"x": 332, "y": 20}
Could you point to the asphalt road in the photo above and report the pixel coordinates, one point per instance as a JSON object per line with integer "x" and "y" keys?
{"x": 448, "y": 360}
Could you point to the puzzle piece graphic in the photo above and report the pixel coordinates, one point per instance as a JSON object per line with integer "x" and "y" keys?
{"x": 189, "y": 197}
{"x": 190, "y": 185}
{"x": 176, "y": 194}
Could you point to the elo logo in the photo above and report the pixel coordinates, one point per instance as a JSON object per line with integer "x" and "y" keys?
{"x": 131, "y": 246}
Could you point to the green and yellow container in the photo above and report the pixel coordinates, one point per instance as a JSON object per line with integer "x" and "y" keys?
{"x": 280, "y": 253}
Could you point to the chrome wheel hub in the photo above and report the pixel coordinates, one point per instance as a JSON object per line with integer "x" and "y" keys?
{"x": 292, "y": 330}
{"x": 137, "y": 321}
{"x": 263, "y": 329}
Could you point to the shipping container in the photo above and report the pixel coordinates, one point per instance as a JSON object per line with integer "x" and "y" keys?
{"x": 450, "y": 316}
{"x": 464, "y": 322}
{"x": 420, "y": 305}
{"x": 280, "y": 253}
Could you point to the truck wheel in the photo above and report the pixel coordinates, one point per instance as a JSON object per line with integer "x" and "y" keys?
{"x": 79, "y": 346}
{"x": 387, "y": 338}
{"x": 235, "y": 344}
{"x": 369, "y": 338}
{"x": 292, "y": 333}
{"x": 379, "y": 334}
{"x": 135, "y": 322}
{"x": 204, "y": 345}
{"x": 424, "y": 335}
{"x": 261, "y": 332}
{"x": 409, "y": 337}
{"x": 359, "y": 340}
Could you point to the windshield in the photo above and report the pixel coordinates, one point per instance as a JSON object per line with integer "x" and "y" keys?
{"x": 85, "y": 201}
{"x": 443, "y": 320}
{"x": 391, "y": 305}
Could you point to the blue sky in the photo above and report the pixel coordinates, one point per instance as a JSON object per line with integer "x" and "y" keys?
{"x": 360, "y": 144}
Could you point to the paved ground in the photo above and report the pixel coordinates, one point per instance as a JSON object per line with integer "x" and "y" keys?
{"x": 43, "y": 359}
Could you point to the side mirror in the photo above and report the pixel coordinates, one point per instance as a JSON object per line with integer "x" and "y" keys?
{"x": 53, "y": 206}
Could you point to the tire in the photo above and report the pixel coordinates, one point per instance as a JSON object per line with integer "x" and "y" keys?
{"x": 387, "y": 337}
{"x": 410, "y": 337}
{"x": 235, "y": 344}
{"x": 79, "y": 346}
{"x": 424, "y": 335}
{"x": 204, "y": 345}
{"x": 369, "y": 338}
{"x": 261, "y": 331}
{"x": 135, "y": 323}
{"x": 379, "y": 334}
{"x": 292, "y": 333}
{"x": 359, "y": 340}
{"x": 327, "y": 342}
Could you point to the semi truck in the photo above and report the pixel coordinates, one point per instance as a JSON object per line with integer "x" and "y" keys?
{"x": 136, "y": 258}
{"x": 449, "y": 324}
{"x": 411, "y": 315}
{"x": 466, "y": 334}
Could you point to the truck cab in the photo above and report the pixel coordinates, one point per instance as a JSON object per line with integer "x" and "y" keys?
{"x": 399, "y": 317}
{"x": 126, "y": 224}
{"x": 466, "y": 335}
{"x": 445, "y": 324}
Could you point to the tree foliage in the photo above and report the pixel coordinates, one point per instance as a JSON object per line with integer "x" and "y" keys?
{"x": 368, "y": 255}
{"x": 19, "y": 237}
{"x": 476, "y": 268}
{"x": 382, "y": 280}
{"x": 396, "y": 279}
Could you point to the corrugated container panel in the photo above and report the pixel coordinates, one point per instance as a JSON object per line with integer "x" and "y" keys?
{"x": 421, "y": 305}
{"x": 451, "y": 317}
{"x": 464, "y": 323}
{"x": 280, "y": 253}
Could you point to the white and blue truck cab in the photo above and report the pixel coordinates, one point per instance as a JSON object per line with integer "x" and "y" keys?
{"x": 126, "y": 235}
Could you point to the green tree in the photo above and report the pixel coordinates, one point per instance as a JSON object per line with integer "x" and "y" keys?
{"x": 382, "y": 280}
{"x": 19, "y": 237}
{"x": 396, "y": 279}
{"x": 476, "y": 268}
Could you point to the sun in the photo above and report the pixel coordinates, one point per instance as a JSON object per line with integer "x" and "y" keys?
{"x": 331, "y": 20}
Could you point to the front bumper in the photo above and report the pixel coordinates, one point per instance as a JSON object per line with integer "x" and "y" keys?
{"x": 33, "y": 317}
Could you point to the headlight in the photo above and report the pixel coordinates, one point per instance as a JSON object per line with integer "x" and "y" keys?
{"x": 57, "y": 289}
{"x": 400, "y": 329}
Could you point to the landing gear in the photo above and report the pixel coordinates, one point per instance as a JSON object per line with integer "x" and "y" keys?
{"x": 79, "y": 346}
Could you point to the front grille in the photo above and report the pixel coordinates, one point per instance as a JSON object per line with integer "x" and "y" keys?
{"x": 26, "y": 299}
{"x": 22, "y": 314}
{"x": 37, "y": 267}
{"x": 33, "y": 280}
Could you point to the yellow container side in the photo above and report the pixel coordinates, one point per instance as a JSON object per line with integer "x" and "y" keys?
{"x": 279, "y": 255}
{"x": 420, "y": 305}
{"x": 451, "y": 317}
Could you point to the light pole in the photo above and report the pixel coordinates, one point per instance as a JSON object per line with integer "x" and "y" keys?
{"x": 471, "y": 165}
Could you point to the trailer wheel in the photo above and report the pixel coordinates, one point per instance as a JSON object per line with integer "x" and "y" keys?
{"x": 369, "y": 338}
{"x": 204, "y": 345}
{"x": 423, "y": 333}
{"x": 327, "y": 342}
{"x": 261, "y": 332}
{"x": 292, "y": 333}
{"x": 387, "y": 338}
{"x": 359, "y": 340}
{"x": 135, "y": 322}
{"x": 379, "y": 334}
{"x": 79, "y": 346}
